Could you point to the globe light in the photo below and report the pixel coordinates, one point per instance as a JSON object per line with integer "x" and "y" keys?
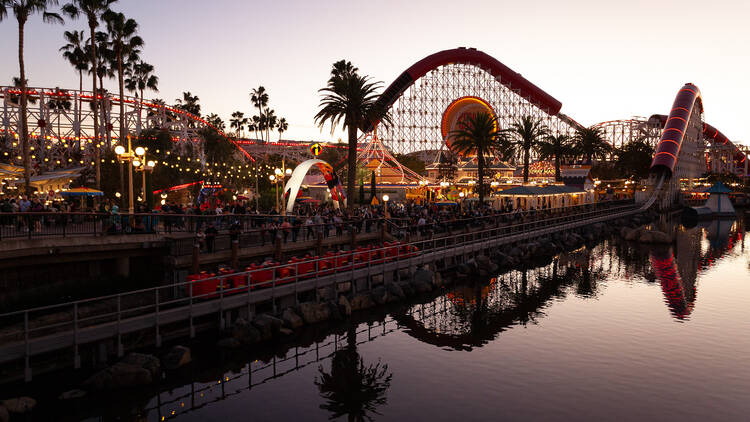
{"x": 385, "y": 198}
{"x": 163, "y": 196}
{"x": 278, "y": 171}
{"x": 136, "y": 163}
{"x": 461, "y": 194}
{"x": 140, "y": 151}
{"x": 163, "y": 201}
{"x": 151, "y": 163}
{"x": 272, "y": 177}
{"x": 119, "y": 150}
{"x": 117, "y": 194}
{"x": 288, "y": 172}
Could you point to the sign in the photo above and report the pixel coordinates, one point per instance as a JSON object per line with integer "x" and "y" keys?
{"x": 316, "y": 149}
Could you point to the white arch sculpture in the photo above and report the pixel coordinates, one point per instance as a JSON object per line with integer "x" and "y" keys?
{"x": 295, "y": 182}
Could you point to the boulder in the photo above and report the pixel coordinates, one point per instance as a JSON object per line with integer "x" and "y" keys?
{"x": 333, "y": 311}
{"x": 267, "y": 325}
{"x": 632, "y": 234}
{"x": 313, "y": 313}
{"x": 423, "y": 276}
{"x": 70, "y": 395}
{"x": 660, "y": 237}
{"x": 379, "y": 295}
{"x": 291, "y": 319}
{"x": 515, "y": 252}
{"x": 360, "y": 302}
{"x": 148, "y": 362}
{"x": 285, "y": 331}
{"x": 422, "y": 287}
{"x": 245, "y": 333}
{"x": 327, "y": 293}
{"x": 482, "y": 261}
{"x": 344, "y": 306}
{"x": 395, "y": 291}
{"x": 407, "y": 288}
{"x": 229, "y": 343}
{"x": 19, "y": 404}
{"x": 119, "y": 375}
{"x": 176, "y": 357}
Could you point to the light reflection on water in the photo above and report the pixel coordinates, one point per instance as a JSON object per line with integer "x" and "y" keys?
{"x": 617, "y": 331}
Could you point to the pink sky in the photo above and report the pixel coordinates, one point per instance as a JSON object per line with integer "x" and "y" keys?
{"x": 603, "y": 60}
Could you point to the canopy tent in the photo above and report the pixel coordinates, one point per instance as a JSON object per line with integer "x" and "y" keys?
{"x": 535, "y": 197}
{"x": 82, "y": 191}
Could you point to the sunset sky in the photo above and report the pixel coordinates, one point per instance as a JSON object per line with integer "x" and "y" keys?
{"x": 604, "y": 60}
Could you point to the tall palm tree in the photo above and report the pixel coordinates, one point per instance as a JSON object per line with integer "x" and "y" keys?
{"x": 590, "y": 143}
{"x": 189, "y": 103}
{"x": 259, "y": 98}
{"x": 350, "y": 100}
{"x": 125, "y": 45}
{"x": 214, "y": 120}
{"x": 22, "y": 10}
{"x": 529, "y": 133}
{"x": 282, "y": 127}
{"x": 269, "y": 122}
{"x": 92, "y": 10}
{"x": 479, "y": 134}
{"x": 238, "y": 122}
{"x": 556, "y": 147}
{"x": 75, "y": 53}
{"x": 140, "y": 76}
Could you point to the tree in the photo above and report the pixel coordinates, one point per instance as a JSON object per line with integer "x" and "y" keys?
{"x": 75, "y": 53}
{"x": 373, "y": 186}
{"x": 125, "y": 45}
{"x": 189, "y": 103}
{"x": 22, "y": 10}
{"x": 589, "y": 143}
{"x": 350, "y": 100}
{"x": 214, "y": 120}
{"x": 634, "y": 159}
{"x": 529, "y": 133}
{"x": 478, "y": 134}
{"x": 92, "y": 10}
{"x": 411, "y": 162}
{"x": 259, "y": 98}
{"x": 140, "y": 76}
{"x": 282, "y": 127}
{"x": 238, "y": 122}
{"x": 556, "y": 147}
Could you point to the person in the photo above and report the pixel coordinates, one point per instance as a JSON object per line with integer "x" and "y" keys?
{"x": 200, "y": 237}
{"x": 234, "y": 230}
{"x": 211, "y": 233}
{"x": 286, "y": 227}
{"x": 309, "y": 224}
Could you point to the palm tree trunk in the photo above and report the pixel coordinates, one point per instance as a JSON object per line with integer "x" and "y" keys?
{"x": 351, "y": 176}
{"x": 480, "y": 171}
{"x": 557, "y": 168}
{"x": 121, "y": 86}
{"x": 24, "y": 126}
{"x": 526, "y": 165}
{"x": 80, "y": 102}
{"x": 97, "y": 153}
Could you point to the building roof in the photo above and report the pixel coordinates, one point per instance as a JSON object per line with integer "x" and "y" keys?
{"x": 540, "y": 190}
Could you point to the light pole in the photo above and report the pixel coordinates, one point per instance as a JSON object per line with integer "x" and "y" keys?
{"x": 461, "y": 202}
{"x": 143, "y": 166}
{"x": 273, "y": 180}
{"x": 385, "y": 204}
{"x": 128, "y": 156}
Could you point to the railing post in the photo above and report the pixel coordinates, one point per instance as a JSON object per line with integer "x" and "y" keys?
{"x": 27, "y": 351}
{"x": 190, "y": 309}
{"x": 120, "y": 350}
{"x": 76, "y": 356}
{"x": 158, "y": 336}
{"x": 221, "y": 304}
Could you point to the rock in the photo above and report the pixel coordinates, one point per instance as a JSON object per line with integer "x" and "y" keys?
{"x": 291, "y": 319}
{"x": 245, "y": 333}
{"x": 326, "y": 293}
{"x": 267, "y": 325}
{"x": 333, "y": 311}
{"x": 70, "y": 395}
{"x": 633, "y": 234}
{"x": 407, "y": 288}
{"x": 4, "y": 416}
{"x": 463, "y": 269}
{"x": 228, "y": 343}
{"x": 395, "y": 290}
{"x": 515, "y": 252}
{"x": 660, "y": 237}
{"x": 176, "y": 357}
{"x": 344, "y": 306}
{"x": 380, "y": 295}
{"x": 313, "y": 313}
{"x": 148, "y": 362}
{"x": 423, "y": 276}
{"x": 422, "y": 287}
{"x": 19, "y": 404}
{"x": 482, "y": 261}
{"x": 361, "y": 302}
{"x": 285, "y": 331}
{"x": 119, "y": 375}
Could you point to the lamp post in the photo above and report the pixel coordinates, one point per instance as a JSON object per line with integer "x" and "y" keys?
{"x": 461, "y": 202}
{"x": 128, "y": 156}
{"x": 273, "y": 180}
{"x": 143, "y": 165}
{"x": 385, "y": 204}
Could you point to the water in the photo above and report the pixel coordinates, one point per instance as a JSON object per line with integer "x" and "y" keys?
{"x": 612, "y": 332}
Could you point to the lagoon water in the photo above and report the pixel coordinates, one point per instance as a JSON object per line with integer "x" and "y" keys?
{"x": 614, "y": 331}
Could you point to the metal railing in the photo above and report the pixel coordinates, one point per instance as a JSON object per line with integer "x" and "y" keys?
{"x": 39, "y": 330}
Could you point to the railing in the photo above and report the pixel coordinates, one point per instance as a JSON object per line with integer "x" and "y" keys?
{"x": 119, "y": 314}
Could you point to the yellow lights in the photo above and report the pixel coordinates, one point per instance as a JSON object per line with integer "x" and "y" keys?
{"x": 272, "y": 178}
{"x": 140, "y": 151}
{"x": 151, "y": 163}
{"x": 119, "y": 150}
{"x": 136, "y": 163}
{"x": 288, "y": 172}
{"x": 386, "y": 198}
{"x": 278, "y": 171}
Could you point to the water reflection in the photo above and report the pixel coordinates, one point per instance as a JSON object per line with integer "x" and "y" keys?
{"x": 355, "y": 387}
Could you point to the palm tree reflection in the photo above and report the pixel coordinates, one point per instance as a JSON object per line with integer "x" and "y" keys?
{"x": 352, "y": 389}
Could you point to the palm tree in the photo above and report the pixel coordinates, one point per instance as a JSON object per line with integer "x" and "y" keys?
{"x": 282, "y": 127}
{"x": 590, "y": 143}
{"x": 92, "y": 10}
{"x": 259, "y": 98}
{"x": 557, "y": 147}
{"x": 479, "y": 134}
{"x": 214, "y": 120}
{"x": 529, "y": 133}
{"x": 22, "y": 10}
{"x": 75, "y": 53}
{"x": 350, "y": 100}
{"x": 238, "y": 122}
{"x": 125, "y": 45}
{"x": 269, "y": 122}
{"x": 189, "y": 103}
{"x": 140, "y": 75}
